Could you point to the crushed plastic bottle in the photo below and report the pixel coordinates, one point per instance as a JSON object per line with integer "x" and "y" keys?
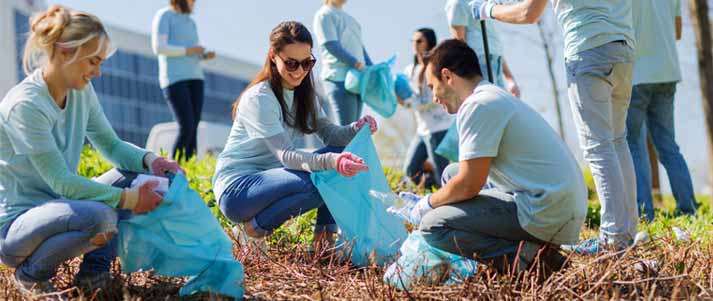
{"x": 396, "y": 205}
{"x": 682, "y": 235}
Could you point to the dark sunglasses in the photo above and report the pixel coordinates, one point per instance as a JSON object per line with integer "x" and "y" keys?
{"x": 292, "y": 64}
{"x": 418, "y": 41}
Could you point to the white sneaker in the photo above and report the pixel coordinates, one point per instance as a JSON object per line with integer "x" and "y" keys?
{"x": 245, "y": 240}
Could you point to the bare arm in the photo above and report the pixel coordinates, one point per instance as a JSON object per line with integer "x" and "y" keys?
{"x": 458, "y": 32}
{"x": 506, "y": 71}
{"x": 679, "y": 28}
{"x": 525, "y": 12}
{"x": 471, "y": 177}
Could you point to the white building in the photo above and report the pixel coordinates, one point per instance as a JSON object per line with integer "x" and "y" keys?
{"x": 128, "y": 89}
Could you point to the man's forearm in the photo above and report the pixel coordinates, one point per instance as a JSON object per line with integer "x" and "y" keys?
{"x": 456, "y": 190}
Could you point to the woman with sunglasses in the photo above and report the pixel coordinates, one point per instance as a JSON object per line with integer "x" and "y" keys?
{"x": 339, "y": 36}
{"x": 432, "y": 121}
{"x": 261, "y": 179}
{"x": 175, "y": 41}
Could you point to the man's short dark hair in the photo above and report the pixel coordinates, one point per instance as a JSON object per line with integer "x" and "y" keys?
{"x": 456, "y": 56}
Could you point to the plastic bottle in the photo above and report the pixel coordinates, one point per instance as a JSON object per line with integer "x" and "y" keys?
{"x": 395, "y": 204}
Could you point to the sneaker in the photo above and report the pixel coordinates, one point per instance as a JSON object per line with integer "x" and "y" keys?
{"x": 551, "y": 261}
{"x": 596, "y": 246}
{"x": 242, "y": 237}
{"x": 92, "y": 282}
{"x": 36, "y": 290}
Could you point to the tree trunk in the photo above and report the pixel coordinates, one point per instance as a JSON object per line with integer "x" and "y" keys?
{"x": 702, "y": 28}
{"x": 654, "y": 163}
{"x": 553, "y": 78}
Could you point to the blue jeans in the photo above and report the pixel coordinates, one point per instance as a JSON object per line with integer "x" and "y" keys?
{"x": 186, "y": 100}
{"x": 599, "y": 83}
{"x": 485, "y": 226}
{"x": 346, "y": 105}
{"x": 422, "y": 149}
{"x": 652, "y": 108}
{"x": 42, "y": 238}
{"x": 269, "y": 198}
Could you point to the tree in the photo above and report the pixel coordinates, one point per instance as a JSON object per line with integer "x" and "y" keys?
{"x": 546, "y": 40}
{"x": 702, "y": 29}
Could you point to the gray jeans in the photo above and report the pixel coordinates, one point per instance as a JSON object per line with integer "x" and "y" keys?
{"x": 485, "y": 227}
{"x": 599, "y": 82}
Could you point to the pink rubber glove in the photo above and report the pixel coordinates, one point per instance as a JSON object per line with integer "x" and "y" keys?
{"x": 367, "y": 120}
{"x": 160, "y": 165}
{"x": 349, "y": 165}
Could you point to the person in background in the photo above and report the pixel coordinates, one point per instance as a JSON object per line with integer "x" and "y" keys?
{"x": 261, "y": 180}
{"x": 656, "y": 73}
{"x": 599, "y": 56}
{"x": 432, "y": 121}
{"x": 48, "y": 213}
{"x": 339, "y": 36}
{"x": 174, "y": 39}
{"x": 538, "y": 198}
{"x": 464, "y": 28}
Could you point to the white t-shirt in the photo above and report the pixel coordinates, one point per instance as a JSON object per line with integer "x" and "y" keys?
{"x": 334, "y": 24}
{"x": 530, "y": 162}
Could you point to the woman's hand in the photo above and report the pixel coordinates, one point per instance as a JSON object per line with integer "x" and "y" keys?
{"x": 373, "y": 126}
{"x": 349, "y": 164}
{"x": 141, "y": 199}
{"x": 158, "y": 166}
{"x": 195, "y": 50}
{"x": 513, "y": 88}
{"x": 209, "y": 55}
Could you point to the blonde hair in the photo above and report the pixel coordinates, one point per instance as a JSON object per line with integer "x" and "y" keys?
{"x": 60, "y": 28}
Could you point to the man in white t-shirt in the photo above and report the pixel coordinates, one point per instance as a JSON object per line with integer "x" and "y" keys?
{"x": 538, "y": 196}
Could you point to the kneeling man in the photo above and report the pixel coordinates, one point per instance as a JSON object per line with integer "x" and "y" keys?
{"x": 536, "y": 198}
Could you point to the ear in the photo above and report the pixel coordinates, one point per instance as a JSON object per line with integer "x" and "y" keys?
{"x": 446, "y": 75}
{"x": 271, "y": 54}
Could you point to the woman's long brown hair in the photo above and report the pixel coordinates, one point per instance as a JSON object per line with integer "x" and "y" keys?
{"x": 305, "y": 108}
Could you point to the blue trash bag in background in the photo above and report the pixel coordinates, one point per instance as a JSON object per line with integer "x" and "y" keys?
{"x": 448, "y": 148}
{"x": 182, "y": 237}
{"x": 376, "y": 87}
{"x": 421, "y": 263}
{"x": 402, "y": 86}
{"x": 352, "y": 81}
{"x": 366, "y": 226}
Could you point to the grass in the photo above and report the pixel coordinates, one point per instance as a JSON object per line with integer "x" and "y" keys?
{"x": 289, "y": 271}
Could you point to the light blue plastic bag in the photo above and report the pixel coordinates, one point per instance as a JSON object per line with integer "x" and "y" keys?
{"x": 365, "y": 224}
{"x": 402, "y": 86}
{"x": 419, "y": 262}
{"x": 376, "y": 87}
{"x": 182, "y": 238}
{"x": 352, "y": 82}
{"x": 448, "y": 148}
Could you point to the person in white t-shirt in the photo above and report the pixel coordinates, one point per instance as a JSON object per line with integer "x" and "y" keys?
{"x": 432, "y": 121}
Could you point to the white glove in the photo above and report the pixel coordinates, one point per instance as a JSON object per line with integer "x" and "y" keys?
{"x": 422, "y": 207}
{"x": 482, "y": 9}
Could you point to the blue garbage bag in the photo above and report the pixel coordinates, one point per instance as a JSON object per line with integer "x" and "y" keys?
{"x": 182, "y": 237}
{"x": 402, "y": 86}
{"x": 376, "y": 87}
{"x": 352, "y": 81}
{"x": 421, "y": 263}
{"x": 448, "y": 148}
{"x": 366, "y": 226}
